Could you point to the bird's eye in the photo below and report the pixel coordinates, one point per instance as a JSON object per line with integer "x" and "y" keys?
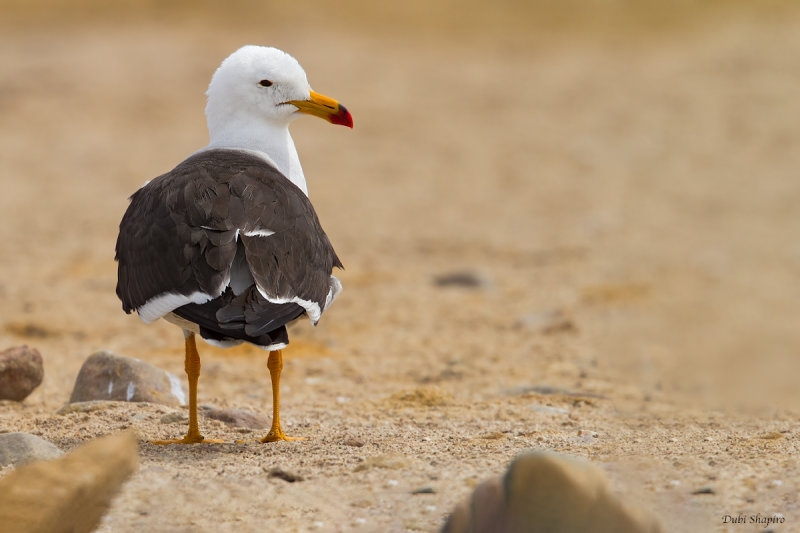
{"x": 265, "y": 83}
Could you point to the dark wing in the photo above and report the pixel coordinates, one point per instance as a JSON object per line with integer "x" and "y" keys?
{"x": 166, "y": 242}
{"x": 180, "y": 235}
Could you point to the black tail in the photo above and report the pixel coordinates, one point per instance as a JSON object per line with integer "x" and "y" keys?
{"x": 248, "y": 317}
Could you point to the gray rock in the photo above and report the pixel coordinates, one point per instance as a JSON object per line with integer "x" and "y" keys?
{"x": 236, "y": 418}
{"x": 173, "y": 418}
{"x": 465, "y": 279}
{"x": 547, "y": 492}
{"x": 20, "y": 448}
{"x": 108, "y": 376}
{"x": 21, "y": 371}
{"x": 291, "y": 477}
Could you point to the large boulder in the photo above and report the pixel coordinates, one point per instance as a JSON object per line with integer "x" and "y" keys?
{"x": 547, "y": 492}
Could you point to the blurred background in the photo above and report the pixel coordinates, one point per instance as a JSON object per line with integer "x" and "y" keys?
{"x": 612, "y": 184}
{"x": 632, "y": 164}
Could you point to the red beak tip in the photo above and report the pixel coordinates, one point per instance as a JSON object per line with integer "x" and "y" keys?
{"x": 343, "y": 117}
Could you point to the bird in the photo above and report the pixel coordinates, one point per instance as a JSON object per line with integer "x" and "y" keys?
{"x": 227, "y": 245}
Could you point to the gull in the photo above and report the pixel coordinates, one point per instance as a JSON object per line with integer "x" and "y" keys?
{"x": 227, "y": 245}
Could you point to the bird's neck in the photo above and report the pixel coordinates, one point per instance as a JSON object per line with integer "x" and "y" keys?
{"x": 273, "y": 141}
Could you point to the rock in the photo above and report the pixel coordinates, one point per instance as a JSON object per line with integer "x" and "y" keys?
{"x": 21, "y": 448}
{"x": 21, "y": 371}
{"x": 356, "y": 443}
{"x": 547, "y": 492}
{"x": 236, "y": 418}
{"x": 291, "y": 477}
{"x": 467, "y": 280}
{"x": 173, "y": 418}
{"x": 108, "y": 376}
{"x": 490, "y": 509}
{"x": 70, "y": 494}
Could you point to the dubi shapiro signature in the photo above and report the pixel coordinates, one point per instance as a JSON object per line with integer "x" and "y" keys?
{"x": 758, "y": 518}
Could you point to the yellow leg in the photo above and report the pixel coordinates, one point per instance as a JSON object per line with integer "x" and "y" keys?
{"x": 275, "y": 365}
{"x": 192, "y": 367}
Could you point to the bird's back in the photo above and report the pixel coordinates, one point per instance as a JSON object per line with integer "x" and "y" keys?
{"x": 225, "y": 241}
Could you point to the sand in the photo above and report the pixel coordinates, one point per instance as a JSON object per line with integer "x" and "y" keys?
{"x": 622, "y": 194}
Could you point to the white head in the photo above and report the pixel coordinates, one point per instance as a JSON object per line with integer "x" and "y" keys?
{"x": 254, "y": 95}
{"x": 259, "y": 84}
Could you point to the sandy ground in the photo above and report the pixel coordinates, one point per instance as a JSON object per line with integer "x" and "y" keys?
{"x": 627, "y": 199}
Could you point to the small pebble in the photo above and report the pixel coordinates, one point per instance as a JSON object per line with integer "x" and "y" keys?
{"x": 236, "y": 418}
{"x": 173, "y": 418}
{"x": 291, "y": 477}
{"x": 424, "y": 490}
{"x": 467, "y": 280}
{"x": 704, "y": 490}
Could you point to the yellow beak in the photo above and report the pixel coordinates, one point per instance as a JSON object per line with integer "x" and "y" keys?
{"x": 324, "y": 107}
